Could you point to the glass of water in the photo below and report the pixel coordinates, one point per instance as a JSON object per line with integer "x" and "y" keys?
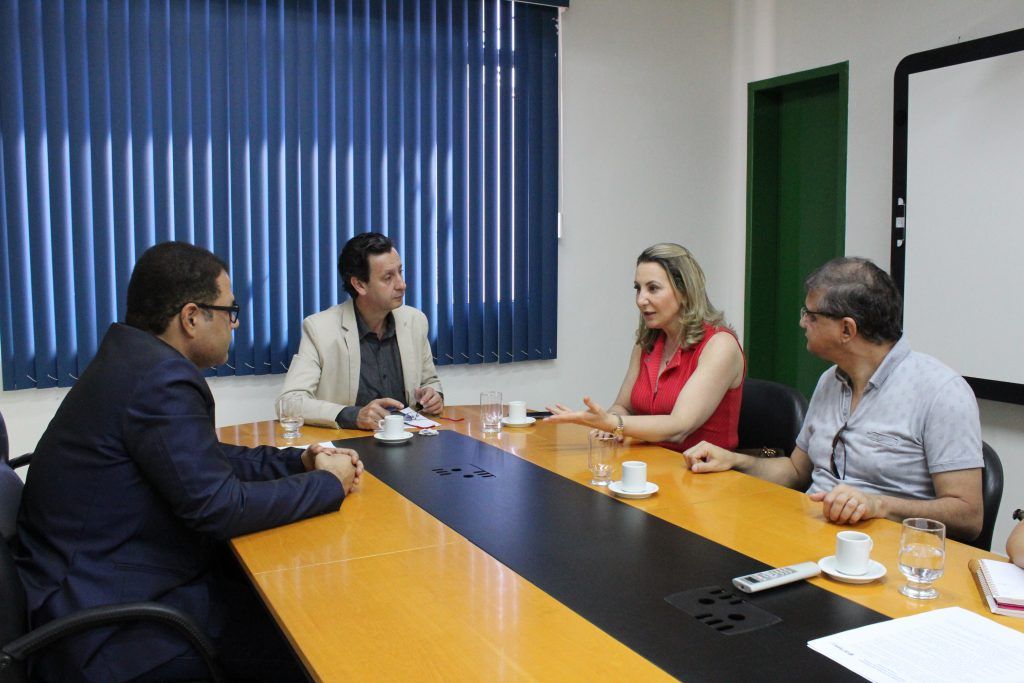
{"x": 922, "y": 556}
{"x": 491, "y": 411}
{"x": 603, "y": 448}
{"x": 289, "y": 414}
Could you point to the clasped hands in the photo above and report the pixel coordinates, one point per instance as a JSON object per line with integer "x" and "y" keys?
{"x": 344, "y": 463}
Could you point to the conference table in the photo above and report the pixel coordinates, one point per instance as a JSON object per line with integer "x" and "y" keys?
{"x": 385, "y": 590}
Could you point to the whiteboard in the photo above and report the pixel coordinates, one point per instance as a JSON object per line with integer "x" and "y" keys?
{"x": 963, "y": 258}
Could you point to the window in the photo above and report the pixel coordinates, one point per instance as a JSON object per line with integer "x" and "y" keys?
{"x": 270, "y": 133}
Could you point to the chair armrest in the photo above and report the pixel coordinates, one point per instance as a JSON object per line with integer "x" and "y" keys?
{"x": 20, "y": 461}
{"x": 20, "y": 648}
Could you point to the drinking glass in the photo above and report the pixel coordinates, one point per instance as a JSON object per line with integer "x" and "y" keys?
{"x": 922, "y": 556}
{"x": 491, "y": 411}
{"x": 289, "y": 414}
{"x": 603, "y": 448}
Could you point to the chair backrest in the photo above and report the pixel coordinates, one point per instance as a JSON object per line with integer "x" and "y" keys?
{"x": 771, "y": 415}
{"x": 10, "y": 500}
{"x": 5, "y": 447}
{"x": 991, "y": 495}
{"x": 13, "y": 623}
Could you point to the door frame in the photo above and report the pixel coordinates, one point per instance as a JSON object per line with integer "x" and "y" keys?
{"x": 757, "y": 91}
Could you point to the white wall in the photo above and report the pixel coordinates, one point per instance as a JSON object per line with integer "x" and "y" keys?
{"x": 778, "y": 37}
{"x": 654, "y": 145}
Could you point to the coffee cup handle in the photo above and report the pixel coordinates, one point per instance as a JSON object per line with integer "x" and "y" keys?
{"x": 380, "y": 425}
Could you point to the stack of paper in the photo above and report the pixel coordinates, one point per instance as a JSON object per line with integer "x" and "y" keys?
{"x": 949, "y": 644}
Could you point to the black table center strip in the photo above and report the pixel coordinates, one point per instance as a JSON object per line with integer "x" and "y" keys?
{"x": 611, "y": 563}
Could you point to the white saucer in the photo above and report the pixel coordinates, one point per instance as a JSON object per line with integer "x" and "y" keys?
{"x": 876, "y": 570}
{"x": 404, "y": 437}
{"x": 509, "y": 422}
{"x": 616, "y": 488}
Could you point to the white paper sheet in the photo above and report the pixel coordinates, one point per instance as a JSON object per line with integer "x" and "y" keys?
{"x": 949, "y": 644}
{"x": 414, "y": 419}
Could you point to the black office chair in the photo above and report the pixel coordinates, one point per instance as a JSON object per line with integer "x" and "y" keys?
{"x": 991, "y": 495}
{"x": 4, "y": 444}
{"x": 10, "y": 484}
{"x": 5, "y": 448}
{"x": 17, "y": 643}
{"x": 771, "y": 415}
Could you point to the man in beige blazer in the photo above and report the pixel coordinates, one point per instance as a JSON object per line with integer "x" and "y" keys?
{"x": 360, "y": 359}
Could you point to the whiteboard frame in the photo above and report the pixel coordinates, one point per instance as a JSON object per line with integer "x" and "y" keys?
{"x": 982, "y": 48}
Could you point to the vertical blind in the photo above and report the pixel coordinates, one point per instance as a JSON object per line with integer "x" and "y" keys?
{"x": 271, "y": 133}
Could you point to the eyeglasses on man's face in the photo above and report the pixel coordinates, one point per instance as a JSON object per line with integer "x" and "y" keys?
{"x": 231, "y": 310}
{"x": 813, "y": 315}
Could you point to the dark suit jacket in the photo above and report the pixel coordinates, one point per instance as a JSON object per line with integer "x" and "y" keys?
{"x": 130, "y": 496}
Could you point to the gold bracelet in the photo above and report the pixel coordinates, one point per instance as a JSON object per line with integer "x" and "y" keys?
{"x": 619, "y": 429}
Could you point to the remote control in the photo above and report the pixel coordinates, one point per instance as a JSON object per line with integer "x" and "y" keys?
{"x": 752, "y": 583}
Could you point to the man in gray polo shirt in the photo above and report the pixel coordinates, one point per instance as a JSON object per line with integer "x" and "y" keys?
{"x": 889, "y": 432}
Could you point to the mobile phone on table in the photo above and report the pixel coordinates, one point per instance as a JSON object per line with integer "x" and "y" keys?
{"x": 538, "y": 413}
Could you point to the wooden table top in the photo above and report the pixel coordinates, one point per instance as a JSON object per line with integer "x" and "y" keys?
{"x": 383, "y": 590}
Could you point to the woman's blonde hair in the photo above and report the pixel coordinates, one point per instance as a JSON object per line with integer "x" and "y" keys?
{"x": 687, "y": 279}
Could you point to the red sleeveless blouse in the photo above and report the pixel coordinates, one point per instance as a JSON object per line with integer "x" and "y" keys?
{"x": 721, "y": 428}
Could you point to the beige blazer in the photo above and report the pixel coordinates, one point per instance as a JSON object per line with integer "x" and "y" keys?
{"x": 326, "y": 368}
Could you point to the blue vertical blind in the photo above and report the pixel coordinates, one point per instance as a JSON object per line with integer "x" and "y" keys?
{"x": 270, "y": 133}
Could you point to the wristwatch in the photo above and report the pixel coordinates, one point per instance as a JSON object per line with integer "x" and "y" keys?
{"x": 619, "y": 428}
{"x": 1018, "y": 514}
{"x": 771, "y": 452}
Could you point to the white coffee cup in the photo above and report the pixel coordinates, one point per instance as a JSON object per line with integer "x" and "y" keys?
{"x": 517, "y": 411}
{"x": 634, "y": 476}
{"x": 392, "y": 426}
{"x": 853, "y": 552}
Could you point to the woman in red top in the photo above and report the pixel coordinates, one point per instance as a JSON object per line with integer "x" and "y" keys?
{"x": 685, "y": 377}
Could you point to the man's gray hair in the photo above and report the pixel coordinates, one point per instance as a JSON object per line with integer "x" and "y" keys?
{"x": 856, "y": 288}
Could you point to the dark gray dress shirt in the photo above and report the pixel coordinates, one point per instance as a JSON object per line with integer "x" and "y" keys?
{"x": 380, "y": 369}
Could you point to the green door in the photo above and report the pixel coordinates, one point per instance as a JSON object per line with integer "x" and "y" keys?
{"x": 796, "y": 206}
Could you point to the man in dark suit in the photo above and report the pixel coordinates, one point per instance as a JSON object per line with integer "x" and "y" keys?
{"x": 130, "y": 495}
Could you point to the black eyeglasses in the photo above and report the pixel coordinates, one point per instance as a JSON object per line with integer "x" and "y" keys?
{"x": 811, "y": 315}
{"x": 837, "y": 441}
{"x": 232, "y": 310}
